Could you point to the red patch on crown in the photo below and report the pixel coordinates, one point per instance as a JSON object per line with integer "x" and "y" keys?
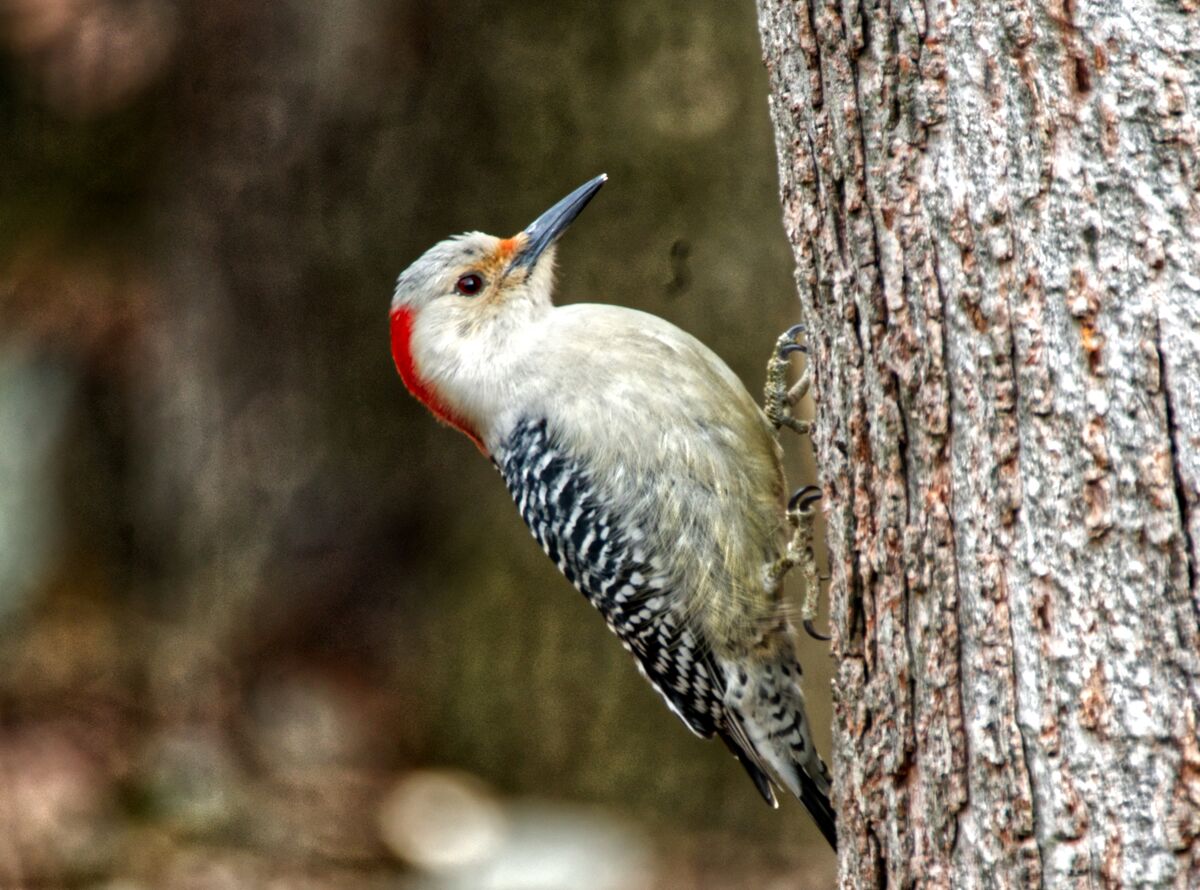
{"x": 402, "y": 325}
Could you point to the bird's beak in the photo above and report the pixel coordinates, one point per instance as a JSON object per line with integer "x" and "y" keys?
{"x": 547, "y": 228}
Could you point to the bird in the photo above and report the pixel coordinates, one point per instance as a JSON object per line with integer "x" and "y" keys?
{"x": 644, "y": 469}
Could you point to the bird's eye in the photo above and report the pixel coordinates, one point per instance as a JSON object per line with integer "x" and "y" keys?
{"x": 469, "y": 285}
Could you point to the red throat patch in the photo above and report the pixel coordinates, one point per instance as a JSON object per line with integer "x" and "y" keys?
{"x": 402, "y": 325}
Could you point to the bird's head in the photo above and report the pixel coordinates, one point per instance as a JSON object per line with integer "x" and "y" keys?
{"x": 476, "y": 274}
{"x": 469, "y": 292}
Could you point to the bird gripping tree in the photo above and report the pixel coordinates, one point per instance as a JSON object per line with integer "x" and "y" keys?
{"x": 645, "y": 471}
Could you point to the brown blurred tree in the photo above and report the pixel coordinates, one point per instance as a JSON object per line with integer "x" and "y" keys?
{"x": 995, "y": 213}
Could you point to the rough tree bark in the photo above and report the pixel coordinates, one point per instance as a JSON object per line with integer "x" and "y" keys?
{"x": 995, "y": 213}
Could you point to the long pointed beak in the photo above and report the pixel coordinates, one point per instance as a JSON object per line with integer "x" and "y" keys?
{"x": 547, "y": 228}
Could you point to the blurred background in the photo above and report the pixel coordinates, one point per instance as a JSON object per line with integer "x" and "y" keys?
{"x": 263, "y": 623}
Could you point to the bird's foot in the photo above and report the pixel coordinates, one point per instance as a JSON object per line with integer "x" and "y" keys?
{"x": 780, "y": 398}
{"x": 801, "y": 512}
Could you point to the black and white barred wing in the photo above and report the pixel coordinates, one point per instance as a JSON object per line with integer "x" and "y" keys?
{"x": 608, "y": 559}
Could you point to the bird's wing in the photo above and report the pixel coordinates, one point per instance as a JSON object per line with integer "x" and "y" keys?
{"x": 678, "y": 443}
{"x": 611, "y": 561}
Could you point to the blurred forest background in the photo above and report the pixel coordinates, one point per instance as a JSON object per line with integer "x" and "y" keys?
{"x": 264, "y": 623}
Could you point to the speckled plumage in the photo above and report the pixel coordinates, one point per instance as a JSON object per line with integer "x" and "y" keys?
{"x": 611, "y": 562}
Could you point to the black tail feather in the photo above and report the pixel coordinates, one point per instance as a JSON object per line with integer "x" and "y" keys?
{"x": 814, "y": 799}
{"x": 817, "y": 803}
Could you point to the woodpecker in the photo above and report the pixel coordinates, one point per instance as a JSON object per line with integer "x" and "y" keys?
{"x": 645, "y": 471}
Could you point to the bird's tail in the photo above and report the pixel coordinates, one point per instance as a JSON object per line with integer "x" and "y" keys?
{"x": 770, "y": 730}
{"x": 816, "y": 801}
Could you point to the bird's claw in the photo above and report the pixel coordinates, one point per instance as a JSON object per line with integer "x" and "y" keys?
{"x": 788, "y": 341}
{"x": 811, "y": 630}
{"x": 780, "y": 399}
{"x": 803, "y": 498}
{"x": 800, "y": 552}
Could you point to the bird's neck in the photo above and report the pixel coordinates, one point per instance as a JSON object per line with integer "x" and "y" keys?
{"x": 402, "y": 319}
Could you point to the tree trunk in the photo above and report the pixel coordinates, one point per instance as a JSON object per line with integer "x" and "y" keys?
{"x": 995, "y": 214}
